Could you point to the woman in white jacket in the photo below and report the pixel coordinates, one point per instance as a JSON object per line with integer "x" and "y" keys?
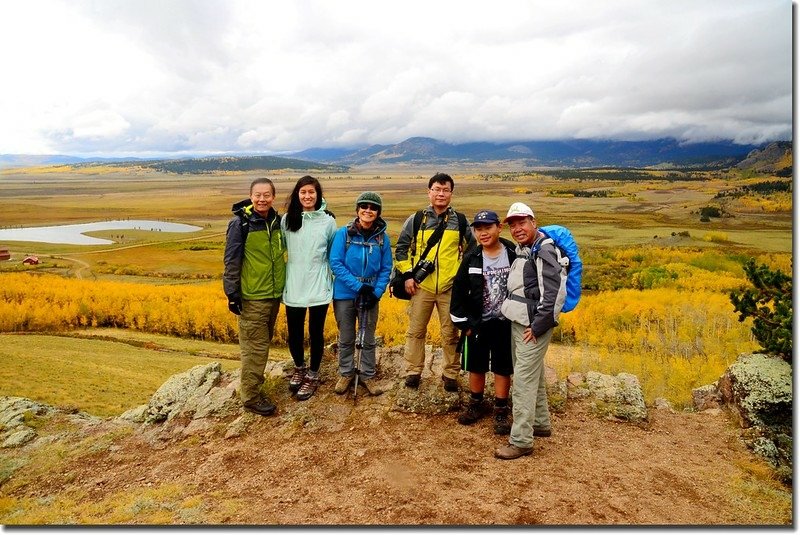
{"x": 308, "y": 229}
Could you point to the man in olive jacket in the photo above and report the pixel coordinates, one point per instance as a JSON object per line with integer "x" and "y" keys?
{"x": 253, "y": 280}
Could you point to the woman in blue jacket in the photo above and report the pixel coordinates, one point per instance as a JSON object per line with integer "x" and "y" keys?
{"x": 361, "y": 260}
{"x": 308, "y": 229}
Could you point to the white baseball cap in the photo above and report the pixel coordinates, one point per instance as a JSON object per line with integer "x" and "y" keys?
{"x": 518, "y": 209}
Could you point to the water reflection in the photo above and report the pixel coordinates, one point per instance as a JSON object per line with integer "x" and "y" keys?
{"x": 73, "y": 234}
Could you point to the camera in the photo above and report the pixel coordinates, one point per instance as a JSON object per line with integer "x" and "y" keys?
{"x": 422, "y": 270}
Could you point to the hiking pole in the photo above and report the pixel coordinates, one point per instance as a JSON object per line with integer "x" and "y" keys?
{"x": 362, "y": 316}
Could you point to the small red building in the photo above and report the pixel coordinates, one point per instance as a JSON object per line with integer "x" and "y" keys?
{"x": 5, "y": 254}
{"x": 31, "y": 260}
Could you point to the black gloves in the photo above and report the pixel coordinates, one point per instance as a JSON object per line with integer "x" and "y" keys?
{"x": 235, "y": 304}
{"x": 366, "y": 297}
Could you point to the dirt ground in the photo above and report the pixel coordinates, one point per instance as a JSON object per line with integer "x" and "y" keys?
{"x": 330, "y": 461}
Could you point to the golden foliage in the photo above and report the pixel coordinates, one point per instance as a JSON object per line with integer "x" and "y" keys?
{"x": 679, "y": 334}
{"x": 672, "y": 340}
{"x": 43, "y": 302}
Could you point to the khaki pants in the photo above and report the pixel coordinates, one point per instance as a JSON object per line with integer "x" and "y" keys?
{"x": 419, "y": 315}
{"x": 529, "y": 391}
{"x": 256, "y": 325}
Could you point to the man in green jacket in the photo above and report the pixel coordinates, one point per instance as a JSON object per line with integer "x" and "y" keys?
{"x": 253, "y": 280}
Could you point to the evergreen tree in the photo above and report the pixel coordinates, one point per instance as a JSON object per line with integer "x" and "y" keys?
{"x": 769, "y": 303}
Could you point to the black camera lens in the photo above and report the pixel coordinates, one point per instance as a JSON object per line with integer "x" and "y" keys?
{"x": 423, "y": 269}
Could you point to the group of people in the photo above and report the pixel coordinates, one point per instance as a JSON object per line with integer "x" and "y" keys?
{"x": 497, "y": 302}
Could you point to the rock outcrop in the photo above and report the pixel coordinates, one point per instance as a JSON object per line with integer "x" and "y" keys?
{"x": 19, "y": 418}
{"x": 757, "y": 391}
{"x": 612, "y": 396}
{"x": 204, "y": 399}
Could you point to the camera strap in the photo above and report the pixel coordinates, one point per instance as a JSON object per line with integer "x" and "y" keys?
{"x": 434, "y": 238}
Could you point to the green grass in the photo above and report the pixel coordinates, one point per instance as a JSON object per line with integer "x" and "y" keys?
{"x": 101, "y": 377}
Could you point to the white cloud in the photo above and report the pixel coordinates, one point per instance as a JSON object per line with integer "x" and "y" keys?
{"x": 127, "y": 76}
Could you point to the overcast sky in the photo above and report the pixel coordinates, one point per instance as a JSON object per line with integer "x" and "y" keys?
{"x": 147, "y": 77}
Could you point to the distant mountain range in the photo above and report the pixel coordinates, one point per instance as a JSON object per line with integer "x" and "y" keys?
{"x": 666, "y": 153}
{"x": 564, "y": 153}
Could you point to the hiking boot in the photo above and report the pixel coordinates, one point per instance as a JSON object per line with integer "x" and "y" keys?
{"x": 510, "y": 451}
{"x": 472, "y": 413}
{"x": 542, "y": 431}
{"x": 262, "y": 406}
{"x": 371, "y": 386}
{"x": 343, "y": 384}
{"x": 502, "y": 426}
{"x": 412, "y": 381}
{"x": 450, "y": 384}
{"x": 308, "y": 388}
{"x": 297, "y": 378}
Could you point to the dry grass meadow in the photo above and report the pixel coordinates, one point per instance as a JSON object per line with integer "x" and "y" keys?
{"x": 99, "y": 328}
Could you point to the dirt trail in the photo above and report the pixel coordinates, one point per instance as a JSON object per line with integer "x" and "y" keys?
{"x": 325, "y": 462}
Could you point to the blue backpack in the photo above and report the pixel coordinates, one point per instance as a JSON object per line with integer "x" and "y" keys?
{"x": 563, "y": 239}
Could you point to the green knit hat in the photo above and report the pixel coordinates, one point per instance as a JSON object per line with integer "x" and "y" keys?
{"x": 372, "y": 197}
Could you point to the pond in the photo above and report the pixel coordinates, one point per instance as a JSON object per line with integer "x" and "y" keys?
{"x": 73, "y": 234}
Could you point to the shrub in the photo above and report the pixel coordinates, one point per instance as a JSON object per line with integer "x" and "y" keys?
{"x": 716, "y": 237}
{"x": 710, "y": 211}
{"x": 769, "y": 303}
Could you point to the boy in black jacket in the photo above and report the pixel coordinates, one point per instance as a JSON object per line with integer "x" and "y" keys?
{"x": 479, "y": 289}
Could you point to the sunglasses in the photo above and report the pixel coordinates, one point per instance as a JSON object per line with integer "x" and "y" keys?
{"x": 369, "y": 206}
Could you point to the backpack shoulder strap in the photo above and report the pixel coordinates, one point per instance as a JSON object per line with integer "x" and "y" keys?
{"x": 417, "y": 222}
{"x": 415, "y": 225}
{"x": 245, "y": 228}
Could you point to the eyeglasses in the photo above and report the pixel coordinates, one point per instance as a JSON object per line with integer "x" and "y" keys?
{"x": 368, "y": 206}
{"x": 445, "y": 191}
{"x": 264, "y": 196}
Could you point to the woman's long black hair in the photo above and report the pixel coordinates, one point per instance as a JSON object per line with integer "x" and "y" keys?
{"x": 294, "y": 210}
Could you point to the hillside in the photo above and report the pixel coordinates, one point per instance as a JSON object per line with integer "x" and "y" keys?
{"x": 334, "y": 460}
{"x": 775, "y": 158}
{"x": 239, "y": 164}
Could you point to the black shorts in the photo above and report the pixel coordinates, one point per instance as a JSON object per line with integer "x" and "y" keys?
{"x": 488, "y": 348}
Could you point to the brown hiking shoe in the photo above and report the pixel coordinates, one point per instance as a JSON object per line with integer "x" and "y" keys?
{"x": 371, "y": 386}
{"x": 472, "y": 413}
{"x": 502, "y": 425}
{"x": 343, "y": 384}
{"x": 510, "y": 451}
{"x": 297, "y": 378}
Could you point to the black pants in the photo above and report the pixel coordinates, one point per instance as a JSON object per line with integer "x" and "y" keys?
{"x": 295, "y": 324}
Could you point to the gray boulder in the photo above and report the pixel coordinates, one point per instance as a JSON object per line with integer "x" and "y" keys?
{"x": 430, "y": 397}
{"x": 180, "y": 390}
{"x": 757, "y": 389}
{"x": 616, "y": 397}
{"x": 17, "y": 416}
